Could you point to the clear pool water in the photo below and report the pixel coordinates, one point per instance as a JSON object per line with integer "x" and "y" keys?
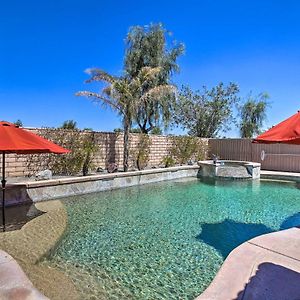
{"x": 166, "y": 240}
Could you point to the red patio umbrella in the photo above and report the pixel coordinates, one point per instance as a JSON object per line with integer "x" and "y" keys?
{"x": 286, "y": 132}
{"x": 16, "y": 140}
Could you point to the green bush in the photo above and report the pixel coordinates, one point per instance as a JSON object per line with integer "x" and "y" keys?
{"x": 81, "y": 145}
{"x": 142, "y": 153}
{"x": 185, "y": 148}
{"x": 168, "y": 161}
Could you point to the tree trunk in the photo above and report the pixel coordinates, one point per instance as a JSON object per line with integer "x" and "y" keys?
{"x": 86, "y": 163}
{"x": 126, "y": 144}
{"x": 144, "y": 130}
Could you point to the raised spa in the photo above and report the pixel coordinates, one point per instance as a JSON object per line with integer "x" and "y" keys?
{"x": 230, "y": 169}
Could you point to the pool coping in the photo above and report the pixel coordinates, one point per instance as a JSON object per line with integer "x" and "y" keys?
{"x": 79, "y": 179}
{"x": 36, "y": 191}
{"x": 288, "y": 176}
{"x": 243, "y": 274}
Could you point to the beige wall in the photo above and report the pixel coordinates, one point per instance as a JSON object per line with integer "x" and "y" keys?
{"x": 280, "y": 157}
{"x": 110, "y": 150}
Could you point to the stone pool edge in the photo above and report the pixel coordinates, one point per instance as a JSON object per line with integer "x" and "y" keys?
{"x": 37, "y": 191}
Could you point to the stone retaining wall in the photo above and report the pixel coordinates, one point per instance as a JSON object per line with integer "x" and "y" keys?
{"x": 37, "y": 191}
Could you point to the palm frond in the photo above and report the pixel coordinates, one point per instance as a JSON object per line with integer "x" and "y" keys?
{"x": 99, "y": 75}
{"x": 99, "y": 98}
{"x": 149, "y": 73}
{"x": 159, "y": 92}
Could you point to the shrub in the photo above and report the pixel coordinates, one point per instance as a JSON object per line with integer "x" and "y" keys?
{"x": 187, "y": 148}
{"x": 142, "y": 153}
{"x": 81, "y": 144}
{"x": 168, "y": 161}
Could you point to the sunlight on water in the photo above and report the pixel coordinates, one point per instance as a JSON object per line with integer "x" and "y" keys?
{"x": 166, "y": 240}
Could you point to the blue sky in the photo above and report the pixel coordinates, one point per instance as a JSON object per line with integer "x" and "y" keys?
{"x": 46, "y": 45}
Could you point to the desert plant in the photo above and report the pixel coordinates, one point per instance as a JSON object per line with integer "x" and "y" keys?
{"x": 185, "y": 148}
{"x": 69, "y": 124}
{"x": 82, "y": 148}
{"x": 89, "y": 147}
{"x": 202, "y": 150}
{"x": 18, "y": 123}
{"x": 156, "y": 131}
{"x": 168, "y": 161}
{"x": 142, "y": 152}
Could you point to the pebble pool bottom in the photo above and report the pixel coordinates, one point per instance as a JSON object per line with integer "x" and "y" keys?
{"x": 166, "y": 240}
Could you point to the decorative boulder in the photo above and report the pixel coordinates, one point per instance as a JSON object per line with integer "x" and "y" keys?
{"x": 190, "y": 162}
{"x": 112, "y": 168}
{"x": 43, "y": 175}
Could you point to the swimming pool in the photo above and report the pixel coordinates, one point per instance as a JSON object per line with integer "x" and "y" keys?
{"x": 166, "y": 240}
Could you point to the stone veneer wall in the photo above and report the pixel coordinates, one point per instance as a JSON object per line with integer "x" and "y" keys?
{"x": 110, "y": 150}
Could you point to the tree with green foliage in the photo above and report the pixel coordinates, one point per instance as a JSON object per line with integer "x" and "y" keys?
{"x": 208, "y": 112}
{"x": 187, "y": 148}
{"x": 124, "y": 95}
{"x": 69, "y": 124}
{"x": 148, "y": 47}
{"x": 156, "y": 131}
{"x": 18, "y": 123}
{"x": 132, "y": 130}
{"x": 253, "y": 115}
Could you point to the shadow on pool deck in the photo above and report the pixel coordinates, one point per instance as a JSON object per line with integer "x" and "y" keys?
{"x": 227, "y": 235}
{"x": 272, "y": 281}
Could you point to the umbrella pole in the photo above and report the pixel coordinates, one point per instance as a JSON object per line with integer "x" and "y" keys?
{"x": 3, "y": 182}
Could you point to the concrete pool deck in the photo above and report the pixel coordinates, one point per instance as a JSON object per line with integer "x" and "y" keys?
{"x": 266, "y": 267}
{"x": 289, "y": 176}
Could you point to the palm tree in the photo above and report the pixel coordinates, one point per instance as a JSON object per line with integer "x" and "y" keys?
{"x": 149, "y": 46}
{"x": 125, "y": 95}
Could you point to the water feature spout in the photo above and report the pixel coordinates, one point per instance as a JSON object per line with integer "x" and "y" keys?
{"x": 215, "y": 159}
